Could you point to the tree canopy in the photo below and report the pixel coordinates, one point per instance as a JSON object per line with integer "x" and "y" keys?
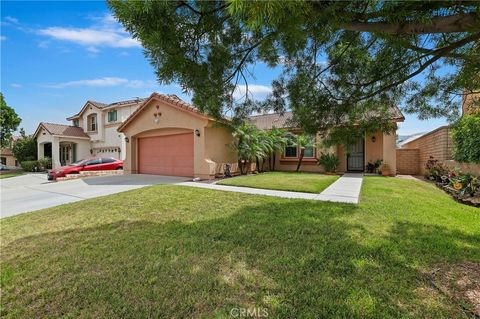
{"x": 340, "y": 61}
{"x": 9, "y": 121}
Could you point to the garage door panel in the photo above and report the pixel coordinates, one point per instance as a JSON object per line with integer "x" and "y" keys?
{"x": 166, "y": 155}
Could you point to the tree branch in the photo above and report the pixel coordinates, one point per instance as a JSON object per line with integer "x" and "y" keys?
{"x": 461, "y": 22}
{"x": 432, "y": 60}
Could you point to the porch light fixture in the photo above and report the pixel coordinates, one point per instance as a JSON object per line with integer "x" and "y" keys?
{"x": 157, "y": 114}
{"x": 197, "y": 132}
{"x": 127, "y": 139}
{"x": 374, "y": 139}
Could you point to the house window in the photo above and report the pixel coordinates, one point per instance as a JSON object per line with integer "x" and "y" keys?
{"x": 291, "y": 151}
{"x": 76, "y": 123}
{"x": 3, "y": 160}
{"x": 112, "y": 116}
{"x": 309, "y": 152}
{"x": 92, "y": 122}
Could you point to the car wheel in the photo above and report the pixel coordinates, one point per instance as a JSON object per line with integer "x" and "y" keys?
{"x": 119, "y": 168}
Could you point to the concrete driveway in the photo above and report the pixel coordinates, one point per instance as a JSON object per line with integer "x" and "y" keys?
{"x": 31, "y": 192}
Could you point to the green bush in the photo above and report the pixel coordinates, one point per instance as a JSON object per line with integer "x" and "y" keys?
{"x": 25, "y": 149}
{"x": 30, "y": 166}
{"x": 45, "y": 163}
{"x": 466, "y": 138}
{"x": 329, "y": 161}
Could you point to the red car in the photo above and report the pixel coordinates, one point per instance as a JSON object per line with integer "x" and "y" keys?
{"x": 91, "y": 164}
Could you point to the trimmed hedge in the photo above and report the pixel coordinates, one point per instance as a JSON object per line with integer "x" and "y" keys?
{"x": 30, "y": 166}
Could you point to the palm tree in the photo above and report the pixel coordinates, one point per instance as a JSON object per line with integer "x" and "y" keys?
{"x": 251, "y": 145}
{"x": 279, "y": 140}
{"x": 302, "y": 142}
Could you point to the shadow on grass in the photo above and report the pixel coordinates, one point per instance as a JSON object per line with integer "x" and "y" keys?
{"x": 293, "y": 263}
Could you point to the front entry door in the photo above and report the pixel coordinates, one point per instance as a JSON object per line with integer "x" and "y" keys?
{"x": 355, "y": 156}
{"x": 65, "y": 156}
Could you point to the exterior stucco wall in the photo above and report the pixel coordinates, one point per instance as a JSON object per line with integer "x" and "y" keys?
{"x": 389, "y": 152}
{"x": 97, "y": 135}
{"x": 10, "y": 160}
{"x": 374, "y": 150}
{"x": 173, "y": 121}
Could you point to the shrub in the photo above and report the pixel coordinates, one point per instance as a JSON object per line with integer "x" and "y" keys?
{"x": 45, "y": 163}
{"x": 30, "y": 166}
{"x": 329, "y": 161}
{"x": 434, "y": 170}
{"x": 466, "y": 137}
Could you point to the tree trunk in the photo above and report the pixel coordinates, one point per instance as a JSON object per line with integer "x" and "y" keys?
{"x": 300, "y": 160}
{"x": 257, "y": 162}
{"x": 240, "y": 167}
{"x": 273, "y": 162}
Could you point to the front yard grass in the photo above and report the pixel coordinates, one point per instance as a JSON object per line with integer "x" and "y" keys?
{"x": 285, "y": 181}
{"x": 11, "y": 174}
{"x": 178, "y": 252}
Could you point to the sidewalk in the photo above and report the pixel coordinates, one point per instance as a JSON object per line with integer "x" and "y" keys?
{"x": 346, "y": 189}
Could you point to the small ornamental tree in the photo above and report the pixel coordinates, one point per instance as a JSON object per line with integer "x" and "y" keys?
{"x": 466, "y": 137}
{"x": 25, "y": 148}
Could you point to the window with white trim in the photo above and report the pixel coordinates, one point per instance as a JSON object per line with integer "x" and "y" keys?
{"x": 112, "y": 116}
{"x": 92, "y": 122}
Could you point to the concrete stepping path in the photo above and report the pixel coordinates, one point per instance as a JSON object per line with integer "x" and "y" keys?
{"x": 346, "y": 189}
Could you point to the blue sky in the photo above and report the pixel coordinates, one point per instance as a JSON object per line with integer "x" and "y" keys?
{"x": 57, "y": 55}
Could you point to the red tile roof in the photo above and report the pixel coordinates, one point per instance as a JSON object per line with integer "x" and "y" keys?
{"x": 268, "y": 121}
{"x": 285, "y": 120}
{"x": 62, "y": 130}
{"x": 6, "y": 151}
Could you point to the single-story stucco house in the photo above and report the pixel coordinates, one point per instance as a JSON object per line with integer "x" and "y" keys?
{"x": 168, "y": 136}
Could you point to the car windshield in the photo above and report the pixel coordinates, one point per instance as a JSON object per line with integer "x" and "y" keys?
{"x": 77, "y": 162}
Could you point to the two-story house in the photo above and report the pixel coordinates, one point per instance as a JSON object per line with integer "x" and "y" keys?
{"x": 93, "y": 133}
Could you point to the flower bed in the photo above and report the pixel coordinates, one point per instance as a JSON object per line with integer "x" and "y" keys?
{"x": 463, "y": 187}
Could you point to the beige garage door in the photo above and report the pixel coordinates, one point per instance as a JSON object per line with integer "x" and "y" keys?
{"x": 166, "y": 155}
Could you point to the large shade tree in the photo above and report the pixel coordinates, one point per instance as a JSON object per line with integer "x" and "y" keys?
{"x": 340, "y": 61}
{"x": 9, "y": 121}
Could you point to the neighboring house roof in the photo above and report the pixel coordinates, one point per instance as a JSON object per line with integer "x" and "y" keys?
{"x": 171, "y": 99}
{"x": 279, "y": 120}
{"x": 269, "y": 121}
{"x": 401, "y": 140}
{"x": 61, "y": 130}
{"x": 102, "y": 106}
{"x": 6, "y": 152}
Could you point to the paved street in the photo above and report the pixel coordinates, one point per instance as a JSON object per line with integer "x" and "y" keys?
{"x": 31, "y": 192}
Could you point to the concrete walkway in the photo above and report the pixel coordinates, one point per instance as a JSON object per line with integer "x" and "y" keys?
{"x": 346, "y": 189}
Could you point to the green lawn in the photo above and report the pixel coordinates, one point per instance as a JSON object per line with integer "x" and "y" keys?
{"x": 11, "y": 174}
{"x": 179, "y": 252}
{"x": 285, "y": 181}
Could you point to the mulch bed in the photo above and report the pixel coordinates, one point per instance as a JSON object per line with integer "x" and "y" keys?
{"x": 460, "y": 282}
{"x": 467, "y": 200}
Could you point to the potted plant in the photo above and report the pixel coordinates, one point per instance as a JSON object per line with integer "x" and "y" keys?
{"x": 385, "y": 170}
{"x": 329, "y": 161}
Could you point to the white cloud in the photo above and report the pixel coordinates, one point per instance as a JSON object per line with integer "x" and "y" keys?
{"x": 93, "y": 50}
{"x": 102, "y": 82}
{"x": 92, "y": 37}
{"x": 3, "y": 38}
{"x": 254, "y": 90}
{"x": 16, "y": 85}
{"x": 11, "y": 19}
